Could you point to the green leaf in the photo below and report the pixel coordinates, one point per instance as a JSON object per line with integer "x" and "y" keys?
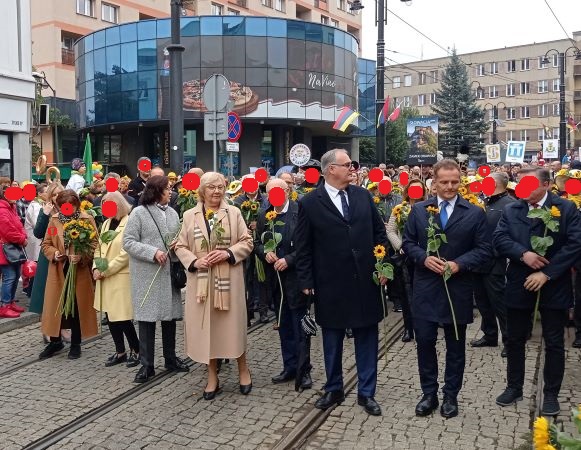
{"x": 447, "y": 272}
{"x": 387, "y": 271}
{"x": 270, "y": 246}
{"x": 553, "y": 225}
{"x": 375, "y": 278}
{"x": 443, "y": 238}
{"x": 279, "y": 223}
{"x": 433, "y": 245}
{"x": 277, "y": 238}
{"x": 541, "y": 244}
{"x": 108, "y": 236}
{"x": 538, "y": 213}
{"x": 101, "y": 264}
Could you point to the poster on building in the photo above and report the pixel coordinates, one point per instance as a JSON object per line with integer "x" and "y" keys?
{"x": 423, "y": 140}
{"x": 551, "y": 148}
{"x": 492, "y": 153}
{"x": 515, "y": 151}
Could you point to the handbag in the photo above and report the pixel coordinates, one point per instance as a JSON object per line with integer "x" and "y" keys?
{"x": 176, "y": 268}
{"x": 308, "y": 323}
{"x": 14, "y": 253}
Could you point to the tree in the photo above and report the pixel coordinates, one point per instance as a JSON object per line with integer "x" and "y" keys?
{"x": 461, "y": 119}
{"x": 367, "y": 150}
{"x": 396, "y": 138}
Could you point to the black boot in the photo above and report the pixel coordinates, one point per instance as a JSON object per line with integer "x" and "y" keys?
{"x": 52, "y": 348}
{"x": 407, "y": 335}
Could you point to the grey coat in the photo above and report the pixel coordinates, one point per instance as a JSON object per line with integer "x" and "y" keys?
{"x": 141, "y": 241}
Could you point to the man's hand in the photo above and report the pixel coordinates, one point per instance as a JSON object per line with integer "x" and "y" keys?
{"x": 271, "y": 257}
{"x": 160, "y": 257}
{"x": 309, "y": 291}
{"x": 535, "y": 281}
{"x": 435, "y": 264}
{"x": 383, "y": 280}
{"x": 280, "y": 265}
{"x": 534, "y": 261}
{"x": 201, "y": 263}
{"x": 252, "y": 225}
{"x": 454, "y": 267}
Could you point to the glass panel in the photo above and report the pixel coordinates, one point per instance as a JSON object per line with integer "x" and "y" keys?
{"x": 130, "y": 106}
{"x": 148, "y": 104}
{"x": 81, "y": 113}
{"x": 88, "y": 43}
{"x": 90, "y": 111}
{"x": 370, "y": 66}
{"x": 207, "y": 72}
{"x": 267, "y": 151}
{"x": 129, "y": 81}
{"x": 296, "y": 30}
{"x": 314, "y": 32}
{"x": 211, "y": 26}
{"x": 89, "y": 88}
{"x": 328, "y": 99}
{"x": 146, "y": 29}
{"x": 313, "y": 56}
{"x": 79, "y": 48}
{"x": 296, "y": 79}
{"x": 112, "y": 35}
{"x": 258, "y": 77}
{"x": 100, "y": 62}
{"x": 115, "y": 141}
{"x": 296, "y": 54}
{"x": 296, "y": 109}
{"x": 279, "y": 105}
{"x": 256, "y": 54}
{"x": 163, "y": 28}
{"x": 129, "y": 57}
{"x": 81, "y": 91}
{"x": 233, "y": 26}
{"x": 100, "y": 109}
{"x": 190, "y": 26}
{"x": 236, "y": 75}
{"x": 80, "y": 74}
{"x": 211, "y": 47}
{"x": 339, "y": 62}
{"x": 128, "y": 32}
{"x": 255, "y": 26}
{"x": 190, "y": 149}
{"x": 99, "y": 39}
{"x": 191, "y": 56}
{"x": 276, "y": 27}
{"x": 277, "y": 52}
{"x": 189, "y": 74}
{"x": 147, "y": 80}
{"x": 277, "y": 77}
{"x": 233, "y": 57}
{"x": 146, "y": 55}
{"x": 114, "y": 83}
{"x": 260, "y": 93}
{"x": 113, "y": 59}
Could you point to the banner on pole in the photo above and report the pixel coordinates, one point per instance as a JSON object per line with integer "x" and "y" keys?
{"x": 423, "y": 140}
{"x": 515, "y": 151}
{"x": 492, "y": 153}
{"x": 551, "y": 148}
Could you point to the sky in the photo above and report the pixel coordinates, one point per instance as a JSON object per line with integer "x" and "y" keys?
{"x": 469, "y": 25}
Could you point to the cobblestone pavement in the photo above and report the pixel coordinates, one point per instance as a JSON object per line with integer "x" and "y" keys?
{"x": 46, "y": 395}
{"x": 570, "y": 394}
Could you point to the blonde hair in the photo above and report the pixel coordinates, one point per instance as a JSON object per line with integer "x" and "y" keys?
{"x": 207, "y": 179}
{"x": 123, "y": 206}
{"x": 52, "y": 187}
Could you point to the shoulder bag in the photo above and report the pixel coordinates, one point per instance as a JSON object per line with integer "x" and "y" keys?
{"x": 14, "y": 253}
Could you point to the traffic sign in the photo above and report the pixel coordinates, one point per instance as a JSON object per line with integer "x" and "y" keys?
{"x": 216, "y": 92}
{"x": 233, "y": 147}
{"x": 234, "y": 127}
{"x": 215, "y": 126}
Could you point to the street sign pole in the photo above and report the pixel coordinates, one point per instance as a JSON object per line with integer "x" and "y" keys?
{"x": 216, "y": 94}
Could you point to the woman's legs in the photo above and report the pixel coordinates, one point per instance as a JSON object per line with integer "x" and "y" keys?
{"x": 243, "y": 370}
{"x": 9, "y": 282}
{"x": 212, "y": 376}
{"x": 131, "y": 335}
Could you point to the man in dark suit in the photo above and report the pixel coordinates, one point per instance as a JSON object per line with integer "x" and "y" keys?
{"x": 527, "y": 273}
{"x": 337, "y": 229}
{"x": 466, "y": 249}
{"x": 490, "y": 279}
{"x": 294, "y": 305}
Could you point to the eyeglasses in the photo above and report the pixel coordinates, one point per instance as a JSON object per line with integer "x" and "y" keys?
{"x": 346, "y": 165}
{"x": 216, "y": 188}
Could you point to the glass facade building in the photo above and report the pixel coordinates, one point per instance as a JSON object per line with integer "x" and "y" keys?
{"x": 366, "y": 99}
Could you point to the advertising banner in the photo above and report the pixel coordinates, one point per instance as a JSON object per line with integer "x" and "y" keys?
{"x": 492, "y": 153}
{"x": 515, "y": 151}
{"x": 551, "y": 148}
{"x": 423, "y": 140}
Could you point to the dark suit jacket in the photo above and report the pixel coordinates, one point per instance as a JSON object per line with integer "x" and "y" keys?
{"x": 513, "y": 237}
{"x": 467, "y": 246}
{"x": 335, "y": 257}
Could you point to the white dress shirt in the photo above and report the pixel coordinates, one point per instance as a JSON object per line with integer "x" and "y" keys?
{"x": 335, "y": 197}
{"x": 284, "y": 210}
{"x": 541, "y": 202}
{"x": 450, "y": 207}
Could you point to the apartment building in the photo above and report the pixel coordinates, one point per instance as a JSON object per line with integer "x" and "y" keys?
{"x": 58, "y": 24}
{"x": 517, "y": 80}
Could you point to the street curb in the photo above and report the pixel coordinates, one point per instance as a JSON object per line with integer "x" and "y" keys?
{"x": 25, "y": 319}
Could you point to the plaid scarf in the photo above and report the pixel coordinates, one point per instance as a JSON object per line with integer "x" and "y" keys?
{"x": 213, "y": 283}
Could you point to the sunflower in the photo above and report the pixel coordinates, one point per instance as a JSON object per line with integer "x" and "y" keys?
{"x": 432, "y": 210}
{"x": 209, "y": 214}
{"x": 294, "y": 196}
{"x": 254, "y": 207}
{"x": 541, "y": 432}
{"x": 555, "y": 212}
{"x": 371, "y": 186}
{"x": 562, "y": 173}
{"x": 74, "y": 234}
{"x": 270, "y": 216}
{"x": 379, "y": 251}
{"x": 85, "y": 204}
{"x": 245, "y": 205}
{"x": 376, "y": 200}
{"x": 92, "y": 235}
{"x": 462, "y": 191}
{"x": 309, "y": 189}
{"x": 396, "y": 210}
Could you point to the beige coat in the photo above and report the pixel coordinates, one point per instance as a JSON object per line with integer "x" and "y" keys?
{"x": 114, "y": 291}
{"x": 224, "y": 332}
{"x": 51, "y": 320}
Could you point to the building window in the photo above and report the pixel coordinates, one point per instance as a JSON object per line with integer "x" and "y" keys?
{"x": 67, "y": 50}
{"x": 433, "y": 98}
{"x": 525, "y": 88}
{"x": 523, "y": 135}
{"x": 556, "y": 85}
{"x": 556, "y": 111}
{"x": 542, "y": 63}
{"x": 341, "y": 5}
{"x": 510, "y": 90}
{"x": 542, "y": 110}
{"x": 510, "y": 113}
{"x": 422, "y": 78}
{"x": 407, "y": 101}
{"x": 480, "y": 71}
{"x": 555, "y": 60}
{"x": 324, "y": 20}
{"x": 493, "y": 68}
{"x": 525, "y": 112}
{"x": 396, "y": 82}
{"x": 555, "y": 133}
{"x": 434, "y": 76}
{"x": 109, "y": 13}
{"x": 509, "y": 136}
{"x": 267, "y": 3}
{"x": 233, "y": 12}
{"x": 407, "y": 80}
{"x": 335, "y": 23}
{"x": 421, "y": 99}
{"x": 525, "y": 64}
{"x": 217, "y": 9}
{"x": 85, "y": 7}
{"x": 492, "y": 91}
{"x": 279, "y": 5}
{"x": 511, "y": 65}
{"x": 480, "y": 94}
{"x": 543, "y": 86}
{"x": 541, "y": 134}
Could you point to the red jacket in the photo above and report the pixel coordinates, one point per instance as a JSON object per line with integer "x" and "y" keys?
{"x": 11, "y": 228}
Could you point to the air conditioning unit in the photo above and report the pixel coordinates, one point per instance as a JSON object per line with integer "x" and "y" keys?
{"x": 44, "y": 114}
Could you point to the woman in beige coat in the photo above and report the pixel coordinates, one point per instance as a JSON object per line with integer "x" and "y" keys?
{"x": 113, "y": 289}
{"x": 215, "y": 313}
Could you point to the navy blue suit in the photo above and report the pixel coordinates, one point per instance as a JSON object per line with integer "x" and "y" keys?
{"x": 335, "y": 258}
{"x": 469, "y": 248}
{"x": 511, "y": 239}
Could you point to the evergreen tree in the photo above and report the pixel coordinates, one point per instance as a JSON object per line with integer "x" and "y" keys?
{"x": 461, "y": 119}
{"x": 396, "y": 138}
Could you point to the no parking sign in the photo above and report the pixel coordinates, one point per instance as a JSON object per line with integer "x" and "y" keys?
{"x": 234, "y": 127}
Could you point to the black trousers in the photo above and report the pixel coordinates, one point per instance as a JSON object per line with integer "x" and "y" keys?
{"x": 147, "y": 342}
{"x": 399, "y": 291}
{"x": 74, "y": 323}
{"x": 577, "y": 310}
{"x": 121, "y": 328}
{"x": 553, "y": 322}
{"x": 489, "y": 295}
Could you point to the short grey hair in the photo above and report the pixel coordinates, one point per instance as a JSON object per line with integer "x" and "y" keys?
{"x": 329, "y": 158}
{"x": 112, "y": 175}
{"x": 500, "y": 178}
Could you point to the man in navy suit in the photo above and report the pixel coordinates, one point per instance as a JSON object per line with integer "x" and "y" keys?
{"x": 338, "y": 227}
{"x": 527, "y": 273}
{"x": 466, "y": 249}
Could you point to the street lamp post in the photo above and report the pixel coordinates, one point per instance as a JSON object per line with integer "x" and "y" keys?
{"x": 494, "y": 119}
{"x": 176, "y": 119}
{"x": 40, "y": 78}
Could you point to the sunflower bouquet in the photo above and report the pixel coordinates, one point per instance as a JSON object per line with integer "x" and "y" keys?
{"x": 294, "y": 196}
{"x": 401, "y": 213}
{"x": 548, "y": 436}
{"x": 187, "y": 199}
{"x": 382, "y": 269}
{"x": 465, "y": 192}
{"x": 79, "y": 238}
{"x": 380, "y": 206}
{"x": 89, "y": 208}
{"x": 271, "y": 239}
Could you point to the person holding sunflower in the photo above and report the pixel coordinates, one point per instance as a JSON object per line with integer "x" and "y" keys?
{"x": 83, "y": 322}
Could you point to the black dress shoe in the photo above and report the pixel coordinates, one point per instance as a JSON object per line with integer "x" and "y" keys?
{"x": 306, "y": 382}
{"x": 283, "y": 377}
{"x": 427, "y": 404}
{"x": 550, "y": 406}
{"x": 74, "y": 351}
{"x": 144, "y": 374}
{"x": 51, "y": 349}
{"x": 504, "y": 352}
{"x": 369, "y": 404}
{"x": 177, "y": 365}
{"x": 210, "y": 395}
{"x": 263, "y": 317}
{"x": 407, "y": 336}
{"x": 132, "y": 359}
{"x": 246, "y": 388}
{"x": 397, "y": 308}
{"x": 329, "y": 399}
{"x": 509, "y": 397}
{"x": 483, "y": 342}
{"x": 115, "y": 359}
{"x": 577, "y": 341}
{"x": 449, "y": 407}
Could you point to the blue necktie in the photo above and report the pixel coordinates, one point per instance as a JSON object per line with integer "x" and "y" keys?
{"x": 443, "y": 213}
{"x": 344, "y": 205}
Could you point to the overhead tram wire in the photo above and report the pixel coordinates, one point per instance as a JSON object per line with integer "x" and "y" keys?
{"x": 561, "y": 25}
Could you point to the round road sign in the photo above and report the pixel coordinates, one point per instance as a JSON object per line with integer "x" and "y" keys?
{"x": 234, "y": 127}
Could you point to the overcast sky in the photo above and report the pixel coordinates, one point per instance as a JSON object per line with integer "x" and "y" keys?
{"x": 470, "y": 25}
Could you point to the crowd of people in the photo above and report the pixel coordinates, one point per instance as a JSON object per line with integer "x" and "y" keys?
{"x": 238, "y": 254}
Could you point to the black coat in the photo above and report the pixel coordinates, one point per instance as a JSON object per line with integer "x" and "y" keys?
{"x": 135, "y": 188}
{"x": 513, "y": 237}
{"x": 335, "y": 257}
{"x": 467, "y": 246}
{"x": 292, "y": 294}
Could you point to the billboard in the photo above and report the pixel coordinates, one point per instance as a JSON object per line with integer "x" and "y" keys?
{"x": 422, "y": 135}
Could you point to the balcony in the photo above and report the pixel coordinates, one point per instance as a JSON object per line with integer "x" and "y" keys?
{"x": 68, "y": 56}
{"x": 241, "y": 3}
{"x": 577, "y": 70}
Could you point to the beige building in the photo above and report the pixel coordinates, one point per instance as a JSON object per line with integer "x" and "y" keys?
{"x": 57, "y": 24}
{"x": 516, "y": 80}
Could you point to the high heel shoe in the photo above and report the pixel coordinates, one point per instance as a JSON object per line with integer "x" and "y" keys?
{"x": 212, "y": 394}
{"x": 246, "y": 388}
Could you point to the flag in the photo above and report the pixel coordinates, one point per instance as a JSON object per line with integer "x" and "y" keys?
{"x": 346, "y": 118}
{"x": 88, "y": 160}
{"x": 571, "y": 123}
{"x": 548, "y": 133}
{"x": 383, "y": 113}
{"x": 394, "y": 114}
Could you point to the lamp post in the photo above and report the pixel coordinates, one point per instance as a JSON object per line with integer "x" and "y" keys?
{"x": 176, "y": 118}
{"x": 494, "y": 119}
{"x": 40, "y": 78}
